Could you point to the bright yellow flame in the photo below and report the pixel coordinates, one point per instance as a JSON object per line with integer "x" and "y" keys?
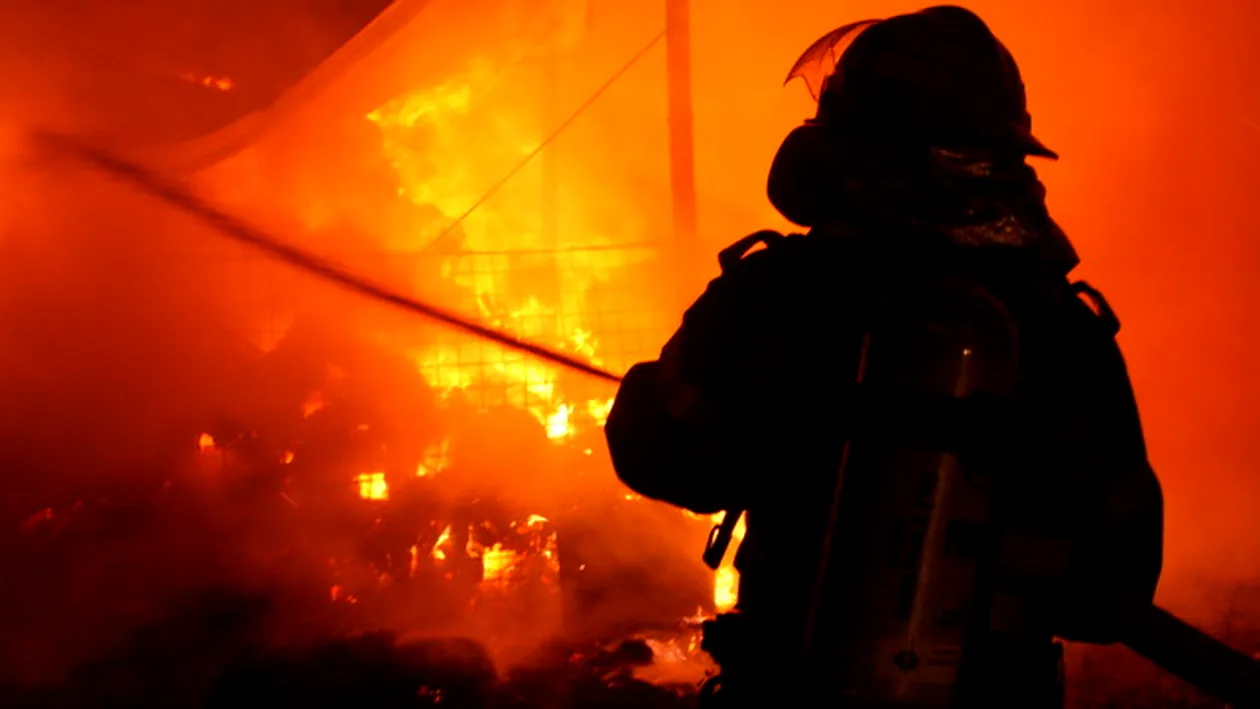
{"x": 598, "y": 410}
{"x": 443, "y": 538}
{"x": 558, "y": 425}
{"x": 497, "y": 563}
{"x": 446, "y": 153}
{"x": 372, "y": 486}
{"x": 205, "y": 442}
{"x": 536, "y": 520}
{"x": 726, "y": 580}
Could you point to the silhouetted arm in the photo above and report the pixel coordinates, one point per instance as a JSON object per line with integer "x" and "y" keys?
{"x": 678, "y": 429}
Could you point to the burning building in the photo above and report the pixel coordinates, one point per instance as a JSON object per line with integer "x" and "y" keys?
{"x": 366, "y": 471}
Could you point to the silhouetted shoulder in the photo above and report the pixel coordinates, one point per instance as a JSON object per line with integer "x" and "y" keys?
{"x": 767, "y": 266}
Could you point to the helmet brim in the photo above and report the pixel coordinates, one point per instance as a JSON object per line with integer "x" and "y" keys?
{"x": 1032, "y": 146}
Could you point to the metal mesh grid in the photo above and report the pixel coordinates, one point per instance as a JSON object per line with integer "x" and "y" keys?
{"x": 609, "y": 305}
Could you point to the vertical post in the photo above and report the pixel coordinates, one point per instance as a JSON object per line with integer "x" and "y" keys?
{"x": 681, "y": 139}
{"x": 545, "y": 269}
{"x": 550, "y": 156}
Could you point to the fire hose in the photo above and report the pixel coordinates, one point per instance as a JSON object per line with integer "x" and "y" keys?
{"x": 1151, "y": 632}
{"x": 236, "y": 229}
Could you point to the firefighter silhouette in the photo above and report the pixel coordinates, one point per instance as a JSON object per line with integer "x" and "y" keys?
{"x": 928, "y": 424}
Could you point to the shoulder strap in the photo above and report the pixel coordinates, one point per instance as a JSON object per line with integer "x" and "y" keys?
{"x": 1098, "y": 304}
{"x": 733, "y": 254}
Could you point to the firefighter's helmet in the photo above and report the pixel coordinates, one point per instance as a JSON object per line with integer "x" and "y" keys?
{"x": 934, "y": 78}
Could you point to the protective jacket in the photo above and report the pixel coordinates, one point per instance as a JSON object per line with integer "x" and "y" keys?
{"x": 889, "y": 354}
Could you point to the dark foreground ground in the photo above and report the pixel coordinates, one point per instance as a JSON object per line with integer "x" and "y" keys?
{"x": 370, "y": 672}
{"x": 377, "y": 671}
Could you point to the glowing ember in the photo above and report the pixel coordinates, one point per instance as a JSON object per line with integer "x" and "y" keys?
{"x": 372, "y": 486}
{"x": 218, "y": 83}
{"x": 205, "y": 442}
{"x": 337, "y": 593}
{"x": 287, "y": 457}
{"x": 726, "y": 581}
{"x": 536, "y": 521}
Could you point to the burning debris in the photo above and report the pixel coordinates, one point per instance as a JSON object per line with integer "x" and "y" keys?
{"x": 210, "y": 654}
{"x": 407, "y": 509}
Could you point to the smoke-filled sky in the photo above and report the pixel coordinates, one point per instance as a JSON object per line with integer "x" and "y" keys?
{"x": 1152, "y": 106}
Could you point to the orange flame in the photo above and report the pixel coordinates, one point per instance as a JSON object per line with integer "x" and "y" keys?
{"x": 438, "y": 553}
{"x": 205, "y": 442}
{"x": 446, "y": 153}
{"x": 436, "y": 459}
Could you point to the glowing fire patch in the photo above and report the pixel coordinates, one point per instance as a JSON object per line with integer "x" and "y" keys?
{"x": 437, "y": 457}
{"x": 205, "y": 442}
{"x": 446, "y": 152}
{"x": 218, "y": 83}
{"x": 558, "y": 425}
{"x": 598, "y": 409}
{"x": 438, "y": 553}
{"x": 337, "y": 593}
{"x": 372, "y": 486}
{"x": 313, "y": 403}
{"x": 726, "y": 580}
{"x": 497, "y": 563}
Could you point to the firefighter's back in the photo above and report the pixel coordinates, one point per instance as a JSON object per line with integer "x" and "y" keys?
{"x": 906, "y": 407}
